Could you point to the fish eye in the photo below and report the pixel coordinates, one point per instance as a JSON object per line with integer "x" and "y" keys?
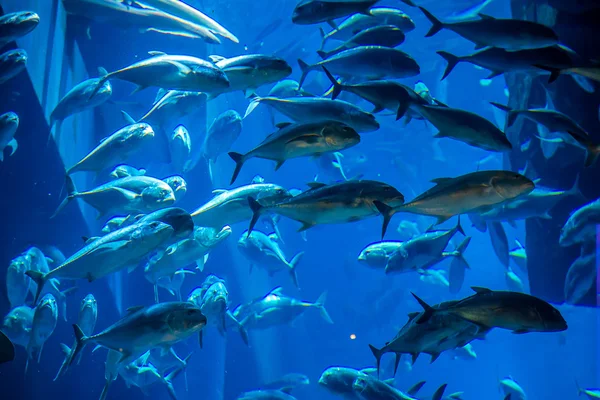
{"x": 154, "y": 224}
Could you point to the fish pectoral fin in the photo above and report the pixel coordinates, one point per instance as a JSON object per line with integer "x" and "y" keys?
{"x": 13, "y": 146}
{"x": 306, "y": 225}
{"x": 182, "y": 68}
{"x": 279, "y": 164}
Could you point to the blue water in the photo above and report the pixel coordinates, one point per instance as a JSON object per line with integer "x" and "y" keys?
{"x": 363, "y": 303}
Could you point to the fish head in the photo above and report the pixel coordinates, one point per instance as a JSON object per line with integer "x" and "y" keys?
{"x": 89, "y": 302}
{"x": 37, "y": 260}
{"x": 9, "y": 122}
{"x": 338, "y": 379}
{"x": 510, "y": 185}
{"x": 274, "y": 68}
{"x": 389, "y": 195}
{"x": 140, "y": 131}
{"x": 178, "y": 185}
{"x": 210, "y": 237}
{"x": 18, "y": 56}
{"x": 181, "y": 134}
{"x": 552, "y": 319}
{"x": 340, "y": 135}
{"x": 570, "y": 232}
{"x": 185, "y": 319}
{"x": 151, "y": 234}
{"x": 306, "y": 10}
{"x": 23, "y": 22}
{"x": 373, "y": 255}
{"x": 48, "y": 302}
{"x": 196, "y": 297}
{"x": 104, "y": 92}
{"x": 19, "y": 265}
{"x": 215, "y": 299}
{"x": 159, "y": 195}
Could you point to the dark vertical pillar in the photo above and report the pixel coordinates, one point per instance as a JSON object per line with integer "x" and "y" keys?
{"x": 576, "y": 25}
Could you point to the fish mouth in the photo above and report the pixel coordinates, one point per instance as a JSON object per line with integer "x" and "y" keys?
{"x": 225, "y": 232}
{"x": 148, "y": 131}
{"x": 362, "y": 257}
{"x": 32, "y": 17}
{"x": 169, "y": 199}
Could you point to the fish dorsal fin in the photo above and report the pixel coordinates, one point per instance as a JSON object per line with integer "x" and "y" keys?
{"x": 315, "y": 185}
{"x": 127, "y": 118}
{"x": 134, "y": 309}
{"x": 102, "y": 71}
{"x": 480, "y": 290}
{"x": 286, "y": 390}
{"x": 215, "y": 59}
{"x": 282, "y": 125}
{"x": 440, "y": 181}
{"x": 155, "y": 53}
{"x": 277, "y": 291}
{"x": 412, "y": 315}
{"x": 485, "y": 16}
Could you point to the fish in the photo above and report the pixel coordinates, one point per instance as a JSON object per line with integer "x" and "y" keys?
{"x": 263, "y": 251}
{"x": 383, "y": 94}
{"x": 178, "y": 185}
{"x": 214, "y": 304}
{"x": 512, "y": 389}
{"x": 556, "y": 121}
{"x": 44, "y": 322}
{"x": 339, "y": 380}
{"x": 181, "y": 147}
{"x": 590, "y": 393}
{"x": 299, "y": 140}
{"x": 123, "y": 170}
{"x": 421, "y": 251}
{"x": 499, "y": 242}
{"x": 499, "y": 61}
{"x": 229, "y": 207}
{"x": 88, "y": 315}
{"x": 369, "y": 387}
{"x": 108, "y": 254}
{"x": 159, "y": 325}
{"x": 221, "y": 135}
{"x": 171, "y": 72}
{"x": 191, "y": 14}
{"x": 432, "y": 336}
{"x": 17, "y": 283}
{"x": 17, "y": 324}
{"x": 16, "y": 25}
{"x": 132, "y": 194}
{"x": 268, "y": 394}
{"x": 79, "y": 98}
{"x": 308, "y": 12}
{"x": 381, "y": 35}
{"x": 463, "y": 194}
{"x": 487, "y": 31}
{"x": 366, "y": 62}
{"x": 193, "y": 250}
{"x": 288, "y": 380}
{"x": 173, "y": 105}
{"x": 580, "y": 278}
{"x": 9, "y": 123}
{"x": 277, "y": 309}
{"x": 115, "y": 149}
{"x": 145, "y": 375}
{"x": 331, "y": 204}
{"x": 7, "y": 349}
{"x": 519, "y": 312}
{"x": 377, "y": 16}
{"x": 12, "y": 62}
{"x": 376, "y": 255}
{"x": 466, "y": 127}
{"x": 581, "y": 225}
{"x": 146, "y": 19}
{"x": 311, "y": 109}
{"x": 249, "y": 72}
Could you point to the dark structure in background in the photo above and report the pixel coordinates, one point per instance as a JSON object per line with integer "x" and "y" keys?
{"x": 577, "y": 25}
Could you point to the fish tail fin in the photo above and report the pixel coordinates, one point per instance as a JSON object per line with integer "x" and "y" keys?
{"x": 239, "y": 160}
{"x": 168, "y": 380}
{"x": 305, "y": 70}
{"x": 459, "y": 227}
{"x": 575, "y": 190}
{"x": 320, "y": 304}
{"x": 323, "y": 54}
{"x": 337, "y": 87}
{"x": 554, "y": 72}
{"x": 253, "y": 104}
{"x": 439, "y": 393}
{"x": 461, "y": 249}
{"x": 64, "y": 366}
{"x": 40, "y": 279}
{"x": 428, "y": 310}
{"x": 323, "y": 39}
{"x": 437, "y": 25}
{"x": 591, "y": 155}
{"x": 387, "y": 212}
{"x": 451, "y": 59}
{"x": 377, "y": 353}
{"x": 71, "y": 194}
{"x": 105, "y": 389}
{"x": 257, "y": 210}
{"x": 293, "y": 265}
{"x": 80, "y": 344}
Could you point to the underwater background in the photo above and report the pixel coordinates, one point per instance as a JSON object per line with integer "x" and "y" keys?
{"x": 366, "y": 305}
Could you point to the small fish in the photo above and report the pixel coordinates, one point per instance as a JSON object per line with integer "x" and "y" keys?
{"x": 221, "y": 135}
{"x": 9, "y": 123}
